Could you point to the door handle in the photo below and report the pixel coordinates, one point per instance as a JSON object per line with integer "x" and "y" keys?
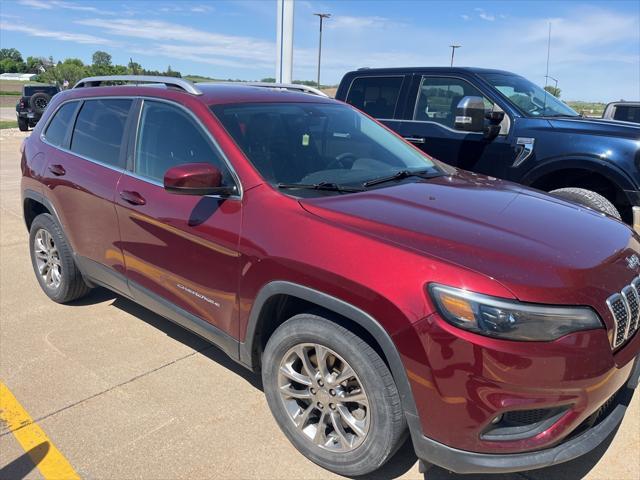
{"x": 57, "y": 170}
{"x": 132, "y": 197}
{"x": 419, "y": 140}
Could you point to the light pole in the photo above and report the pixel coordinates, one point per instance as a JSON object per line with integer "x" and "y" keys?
{"x": 549, "y": 77}
{"x": 321, "y": 16}
{"x": 453, "y": 51}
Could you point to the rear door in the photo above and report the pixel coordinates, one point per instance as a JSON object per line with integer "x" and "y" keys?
{"x": 181, "y": 251}
{"x": 85, "y": 160}
{"x": 381, "y": 96}
{"x": 429, "y": 123}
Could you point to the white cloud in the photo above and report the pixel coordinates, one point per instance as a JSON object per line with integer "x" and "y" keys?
{"x": 487, "y": 17}
{"x": 57, "y": 4}
{"x": 465, "y": 17}
{"x": 57, "y": 35}
{"x": 358, "y": 23}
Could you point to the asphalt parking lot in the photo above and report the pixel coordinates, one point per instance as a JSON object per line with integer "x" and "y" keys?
{"x": 119, "y": 392}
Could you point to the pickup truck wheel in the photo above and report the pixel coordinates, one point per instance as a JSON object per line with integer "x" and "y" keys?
{"x": 332, "y": 395}
{"x": 590, "y": 199}
{"x": 53, "y": 262}
{"x": 23, "y": 124}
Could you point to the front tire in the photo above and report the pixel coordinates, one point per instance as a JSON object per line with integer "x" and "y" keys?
{"x": 23, "y": 124}
{"x": 590, "y": 199}
{"x": 332, "y": 395}
{"x": 53, "y": 263}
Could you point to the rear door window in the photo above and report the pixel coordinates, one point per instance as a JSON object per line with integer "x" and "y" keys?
{"x": 627, "y": 113}
{"x": 377, "y": 96}
{"x": 99, "y": 130}
{"x": 57, "y": 129}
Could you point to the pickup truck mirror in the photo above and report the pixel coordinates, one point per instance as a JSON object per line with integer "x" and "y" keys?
{"x": 470, "y": 114}
{"x": 195, "y": 179}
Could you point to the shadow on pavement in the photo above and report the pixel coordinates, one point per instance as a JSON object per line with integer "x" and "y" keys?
{"x": 178, "y": 333}
{"x": 402, "y": 461}
{"x": 25, "y": 463}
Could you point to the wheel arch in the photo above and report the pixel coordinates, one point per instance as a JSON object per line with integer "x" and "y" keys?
{"x": 605, "y": 179}
{"x": 262, "y": 322}
{"x": 34, "y": 204}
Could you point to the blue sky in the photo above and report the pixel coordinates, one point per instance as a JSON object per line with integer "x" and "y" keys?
{"x": 595, "y": 50}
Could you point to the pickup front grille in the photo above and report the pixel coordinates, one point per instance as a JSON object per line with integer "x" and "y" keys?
{"x": 625, "y": 308}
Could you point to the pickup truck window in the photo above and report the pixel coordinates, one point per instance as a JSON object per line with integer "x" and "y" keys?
{"x": 438, "y": 98}
{"x": 627, "y": 113}
{"x": 529, "y": 98}
{"x": 376, "y": 96}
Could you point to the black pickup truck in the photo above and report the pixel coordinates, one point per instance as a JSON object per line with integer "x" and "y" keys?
{"x": 501, "y": 124}
{"x": 31, "y": 105}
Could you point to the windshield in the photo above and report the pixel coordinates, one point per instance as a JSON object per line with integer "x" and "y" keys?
{"x": 318, "y": 143}
{"x": 528, "y": 97}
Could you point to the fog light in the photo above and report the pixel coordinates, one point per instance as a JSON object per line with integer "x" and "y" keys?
{"x": 497, "y": 419}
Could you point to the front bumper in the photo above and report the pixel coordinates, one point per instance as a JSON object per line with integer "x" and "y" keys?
{"x": 463, "y": 462}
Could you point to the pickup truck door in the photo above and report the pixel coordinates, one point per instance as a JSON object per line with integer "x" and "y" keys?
{"x": 428, "y": 122}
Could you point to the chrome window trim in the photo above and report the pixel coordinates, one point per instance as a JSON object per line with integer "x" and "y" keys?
{"x": 403, "y": 76}
{"x": 124, "y": 169}
{"x": 433, "y": 123}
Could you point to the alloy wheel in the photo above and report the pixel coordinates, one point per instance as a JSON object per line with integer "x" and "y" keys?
{"x": 47, "y": 259}
{"x": 324, "y": 397}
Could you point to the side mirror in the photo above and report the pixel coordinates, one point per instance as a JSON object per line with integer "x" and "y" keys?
{"x": 470, "y": 114}
{"x": 495, "y": 118}
{"x": 195, "y": 179}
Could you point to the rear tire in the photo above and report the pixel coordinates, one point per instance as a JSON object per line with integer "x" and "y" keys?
{"x": 366, "y": 398}
{"x": 39, "y": 101}
{"x": 23, "y": 124}
{"x": 52, "y": 261}
{"x": 590, "y": 199}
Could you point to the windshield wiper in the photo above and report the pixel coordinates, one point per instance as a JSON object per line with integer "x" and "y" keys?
{"x": 399, "y": 176}
{"x": 329, "y": 186}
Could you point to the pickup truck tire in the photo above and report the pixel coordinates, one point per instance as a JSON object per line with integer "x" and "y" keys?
{"x": 320, "y": 402}
{"x": 23, "y": 124}
{"x": 590, "y": 199}
{"x": 52, "y": 261}
{"x": 39, "y": 101}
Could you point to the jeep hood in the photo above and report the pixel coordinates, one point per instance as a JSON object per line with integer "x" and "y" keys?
{"x": 540, "y": 248}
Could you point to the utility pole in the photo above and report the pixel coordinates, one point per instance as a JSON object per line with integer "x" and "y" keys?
{"x": 321, "y": 16}
{"x": 548, "y": 55}
{"x": 453, "y": 51}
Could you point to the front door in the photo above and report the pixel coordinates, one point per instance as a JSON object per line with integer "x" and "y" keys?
{"x": 430, "y": 125}
{"x": 179, "y": 250}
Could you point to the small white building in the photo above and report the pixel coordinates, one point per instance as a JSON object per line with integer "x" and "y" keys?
{"x": 22, "y": 77}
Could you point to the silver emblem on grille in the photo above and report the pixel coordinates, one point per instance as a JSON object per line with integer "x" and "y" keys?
{"x": 633, "y": 262}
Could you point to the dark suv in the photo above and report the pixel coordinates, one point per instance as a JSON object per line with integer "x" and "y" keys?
{"x": 32, "y": 104}
{"x": 501, "y": 124}
{"x": 379, "y": 292}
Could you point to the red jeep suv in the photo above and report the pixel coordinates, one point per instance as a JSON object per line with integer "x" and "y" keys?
{"x": 378, "y": 291}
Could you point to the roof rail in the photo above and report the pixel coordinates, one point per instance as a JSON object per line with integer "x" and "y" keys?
{"x": 288, "y": 86}
{"x": 181, "y": 83}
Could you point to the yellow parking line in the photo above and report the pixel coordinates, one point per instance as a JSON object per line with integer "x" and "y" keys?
{"x": 53, "y": 466}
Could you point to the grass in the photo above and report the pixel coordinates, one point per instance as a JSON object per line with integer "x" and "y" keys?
{"x": 592, "y": 109}
{"x": 14, "y": 87}
{"x": 8, "y": 124}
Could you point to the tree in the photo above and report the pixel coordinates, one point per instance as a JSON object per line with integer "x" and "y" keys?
{"x": 134, "y": 68}
{"x": 101, "y": 59}
{"x": 36, "y": 64}
{"x": 11, "y": 54}
{"x": 268, "y": 80}
{"x": 72, "y": 70}
{"x": 555, "y": 91}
